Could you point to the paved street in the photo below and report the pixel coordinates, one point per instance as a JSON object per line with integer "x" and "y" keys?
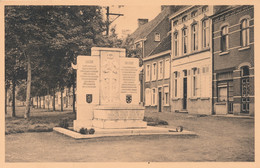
{"x": 219, "y": 139}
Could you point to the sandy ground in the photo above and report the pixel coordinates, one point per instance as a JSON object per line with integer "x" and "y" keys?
{"x": 219, "y": 139}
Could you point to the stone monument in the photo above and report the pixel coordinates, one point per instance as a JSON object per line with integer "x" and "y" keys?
{"x": 108, "y": 91}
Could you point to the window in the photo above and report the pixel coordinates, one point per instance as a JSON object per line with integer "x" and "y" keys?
{"x": 194, "y": 82}
{"x": 194, "y": 37}
{"x": 175, "y": 44}
{"x": 205, "y": 8}
{"x": 224, "y": 38}
{"x": 244, "y": 32}
{"x": 184, "y": 40}
{"x": 166, "y": 95}
{"x": 184, "y": 18}
{"x": 175, "y": 23}
{"x": 222, "y": 92}
{"x": 154, "y": 71}
{"x": 154, "y": 102}
{"x": 167, "y": 69}
{"x": 175, "y": 84}
{"x": 160, "y": 69}
{"x": 148, "y": 75}
{"x": 157, "y": 37}
{"x": 194, "y": 13}
{"x": 245, "y": 71}
{"x": 205, "y": 33}
{"x": 147, "y": 97}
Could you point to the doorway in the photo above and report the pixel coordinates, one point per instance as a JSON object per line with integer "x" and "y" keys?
{"x": 160, "y": 99}
{"x": 184, "y": 105}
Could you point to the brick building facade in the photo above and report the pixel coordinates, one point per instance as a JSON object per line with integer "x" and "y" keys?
{"x": 233, "y": 59}
{"x": 157, "y": 78}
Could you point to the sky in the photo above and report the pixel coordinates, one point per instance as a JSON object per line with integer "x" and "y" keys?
{"x": 131, "y": 14}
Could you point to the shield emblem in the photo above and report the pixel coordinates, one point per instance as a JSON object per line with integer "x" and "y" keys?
{"x": 89, "y": 98}
{"x": 128, "y": 98}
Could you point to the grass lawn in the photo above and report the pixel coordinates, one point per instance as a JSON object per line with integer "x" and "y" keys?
{"x": 220, "y": 139}
{"x": 41, "y": 120}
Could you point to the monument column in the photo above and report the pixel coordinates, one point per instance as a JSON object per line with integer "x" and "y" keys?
{"x": 87, "y": 90}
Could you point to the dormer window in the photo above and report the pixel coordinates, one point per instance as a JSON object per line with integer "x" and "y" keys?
{"x": 194, "y": 13}
{"x": 184, "y": 18}
{"x": 157, "y": 37}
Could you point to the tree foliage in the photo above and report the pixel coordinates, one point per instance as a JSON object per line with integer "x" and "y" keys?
{"x": 48, "y": 38}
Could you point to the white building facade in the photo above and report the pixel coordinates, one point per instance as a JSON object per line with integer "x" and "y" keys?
{"x": 191, "y": 60}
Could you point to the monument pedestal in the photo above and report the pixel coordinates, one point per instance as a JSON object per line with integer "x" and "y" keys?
{"x": 78, "y": 124}
{"x": 121, "y": 116}
{"x": 108, "y": 92}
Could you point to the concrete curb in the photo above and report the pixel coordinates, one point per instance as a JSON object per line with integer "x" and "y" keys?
{"x": 124, "y": 132}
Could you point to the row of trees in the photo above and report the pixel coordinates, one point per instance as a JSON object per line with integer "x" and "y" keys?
{"x": 41, "y": 42}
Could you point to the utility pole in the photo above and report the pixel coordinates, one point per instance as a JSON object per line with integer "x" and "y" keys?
{"x": 108, "y": 22}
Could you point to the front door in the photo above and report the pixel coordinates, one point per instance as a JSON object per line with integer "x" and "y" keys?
{"x": 184, "y": 93}
{"x": 160, "y": 101}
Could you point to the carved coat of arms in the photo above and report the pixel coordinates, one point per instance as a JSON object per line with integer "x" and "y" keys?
{"x": 128, "y": 98}
{"x": 89, "y": 98}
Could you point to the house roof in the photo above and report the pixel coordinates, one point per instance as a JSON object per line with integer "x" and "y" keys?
{"x": 142, "y": 31}
{"x": 164, "y": 45}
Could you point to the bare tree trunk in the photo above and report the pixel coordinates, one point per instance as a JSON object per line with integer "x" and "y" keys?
{"x": 48, "y": 100}
{"x": 61, "y": 100}
{"x": 28, "y": 91}
{"x": 5, "y": 100}
{"x": 37, "y": 102}
{"x": 13, "y": 95}
{"x": 40, "y": 101}
{"x": 53, "y": 101}
{"x": 43, "y": 106}
{"x": 74, "y": 97}
{"x": 67, "y": 98}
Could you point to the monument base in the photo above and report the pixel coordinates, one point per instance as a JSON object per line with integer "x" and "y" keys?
{"x": 121, "y": 116}
{"x": 119, "y": 124}
{"x": 78, "y": 124}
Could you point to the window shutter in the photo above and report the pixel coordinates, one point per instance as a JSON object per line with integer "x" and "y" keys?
{"x": 189, "y": 86}
{"x": 156, "y": 94}
{"x": 180, "y": 87}
{"x": 199, "y": 83}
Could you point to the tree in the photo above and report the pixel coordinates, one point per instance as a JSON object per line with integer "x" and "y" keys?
{"x": 46, "y": 39}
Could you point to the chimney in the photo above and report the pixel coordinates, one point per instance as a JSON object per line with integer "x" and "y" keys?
{"x": 142, "y": 22}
